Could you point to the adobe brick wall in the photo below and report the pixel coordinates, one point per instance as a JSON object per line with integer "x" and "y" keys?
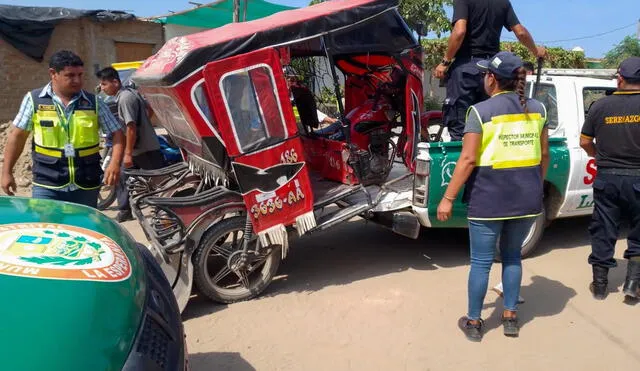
{"x": 92, "y": 41}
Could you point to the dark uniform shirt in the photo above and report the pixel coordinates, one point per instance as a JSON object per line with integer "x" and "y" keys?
{"x": 485, "y": 19}
{"x": 614, "y": 122}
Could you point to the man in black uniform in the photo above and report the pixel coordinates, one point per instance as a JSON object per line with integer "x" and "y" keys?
{"x": 477, "y": 25}
{"x": 614, "y": 123}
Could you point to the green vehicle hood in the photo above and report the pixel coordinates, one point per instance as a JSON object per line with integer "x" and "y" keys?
{"x": 73, "y": 287}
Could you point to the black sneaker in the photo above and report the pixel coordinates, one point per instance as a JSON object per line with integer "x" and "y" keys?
{"x": 124, "y": 216}
{"x": 510, "y": 326}
{"x": 473, "y": 332}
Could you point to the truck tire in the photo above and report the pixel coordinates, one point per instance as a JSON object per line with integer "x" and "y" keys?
{"x": 533, "y": 238}
{"x": 205, "y": 270}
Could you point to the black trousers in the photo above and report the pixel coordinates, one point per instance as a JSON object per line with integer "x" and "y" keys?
{"x": 617, "y": 198}
{"x": 148, "y": 161}
{"x": 465, "y": 87}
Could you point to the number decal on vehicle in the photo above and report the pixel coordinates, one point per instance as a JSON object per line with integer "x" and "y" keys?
{"x": 276, "y": 203}
{"x": 289, "y": 157}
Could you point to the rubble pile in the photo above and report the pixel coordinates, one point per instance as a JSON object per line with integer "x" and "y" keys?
{"x": 22, "y": 170}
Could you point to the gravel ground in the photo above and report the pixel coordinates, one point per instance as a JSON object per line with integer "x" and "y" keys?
{"x": 358, "y": 297}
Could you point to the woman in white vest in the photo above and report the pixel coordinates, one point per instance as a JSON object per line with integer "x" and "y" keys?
{"x": 503, "y": 163}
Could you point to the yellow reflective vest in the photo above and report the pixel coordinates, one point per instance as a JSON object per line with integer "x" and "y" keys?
{"x": 507, "y": 181}
{"x": 66, "y": 150}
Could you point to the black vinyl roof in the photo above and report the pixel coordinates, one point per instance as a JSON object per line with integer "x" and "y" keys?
{"x": 365, "y": 25}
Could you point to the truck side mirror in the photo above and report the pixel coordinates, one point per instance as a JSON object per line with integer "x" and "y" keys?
{"x": 420, "y": 29}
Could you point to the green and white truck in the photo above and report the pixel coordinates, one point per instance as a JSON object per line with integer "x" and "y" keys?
{"x": 568, "y": 95}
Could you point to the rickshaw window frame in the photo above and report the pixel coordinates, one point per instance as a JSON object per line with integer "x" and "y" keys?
{"x": 228, "y": 109}
{"x": 198, "y": 84}
{"x": 185, "y": 119}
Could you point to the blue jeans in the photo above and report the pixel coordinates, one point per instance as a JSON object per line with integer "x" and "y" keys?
{"x": 333, "y": 131}
{"x": 80, "y": 196}
{"x": 483, "y": 237}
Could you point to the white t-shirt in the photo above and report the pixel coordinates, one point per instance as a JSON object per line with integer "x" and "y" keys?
{"x": 321, "y": 116}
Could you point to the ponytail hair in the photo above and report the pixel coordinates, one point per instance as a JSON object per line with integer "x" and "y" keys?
{"x": 521, "y": 83}
{"x": 517, "y": 84}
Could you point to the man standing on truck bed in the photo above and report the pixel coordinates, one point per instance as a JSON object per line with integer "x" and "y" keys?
{"x": 477, "y": 25}
{"x": 614, "y": 123}
{"x": 142, "y": 149}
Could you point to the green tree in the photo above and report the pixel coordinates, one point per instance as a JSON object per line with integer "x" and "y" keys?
{"x": 430, "y": 12}
{"x": 628, "y": 47}
{"x": 434, "y": 49}
{"x": 556, "y": 57}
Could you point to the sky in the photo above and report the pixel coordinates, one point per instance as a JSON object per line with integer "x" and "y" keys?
{"x": 549, "y": 21}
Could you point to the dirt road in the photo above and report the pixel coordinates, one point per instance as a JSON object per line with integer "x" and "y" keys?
{"x": 361, "y": 298}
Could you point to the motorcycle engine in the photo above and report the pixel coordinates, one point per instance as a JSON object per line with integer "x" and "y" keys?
{"x": 372, "y": 166}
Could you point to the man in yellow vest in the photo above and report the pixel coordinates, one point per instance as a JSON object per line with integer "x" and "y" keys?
{"x": 66, "y": 123}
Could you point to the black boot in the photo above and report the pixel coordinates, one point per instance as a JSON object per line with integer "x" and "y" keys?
{"x": 599, "y": 285}
{"x": 632, "y": 283}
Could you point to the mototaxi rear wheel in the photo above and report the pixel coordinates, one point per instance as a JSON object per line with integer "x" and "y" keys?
{"x": 215, "y": 263}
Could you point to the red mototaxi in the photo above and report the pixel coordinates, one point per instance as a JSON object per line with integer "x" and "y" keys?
{"x": 224, "y": 99}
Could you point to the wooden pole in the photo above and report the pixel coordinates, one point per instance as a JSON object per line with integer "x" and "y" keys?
{"x": 236, "y": 11}
{"x": 246, "y": 3}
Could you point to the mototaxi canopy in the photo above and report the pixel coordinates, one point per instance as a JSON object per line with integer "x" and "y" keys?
{"x": 385, "y": 30}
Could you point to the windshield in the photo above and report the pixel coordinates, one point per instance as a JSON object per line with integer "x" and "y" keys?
{"x": 253, "y": 107}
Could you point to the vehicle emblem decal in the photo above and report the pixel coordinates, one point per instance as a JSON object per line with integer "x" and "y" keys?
{"x": 265, "y": 180}
{"x": 60, "y": 252}
{"x": 447, "y": 173}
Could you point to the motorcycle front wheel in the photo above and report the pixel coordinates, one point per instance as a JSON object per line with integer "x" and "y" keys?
{"x": 215, "y": 264}
{"x": 106, "y": 197}
{"x": 107, "y": 194}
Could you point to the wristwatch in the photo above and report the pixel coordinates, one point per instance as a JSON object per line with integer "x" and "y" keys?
{"x": 445, "y": 62}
